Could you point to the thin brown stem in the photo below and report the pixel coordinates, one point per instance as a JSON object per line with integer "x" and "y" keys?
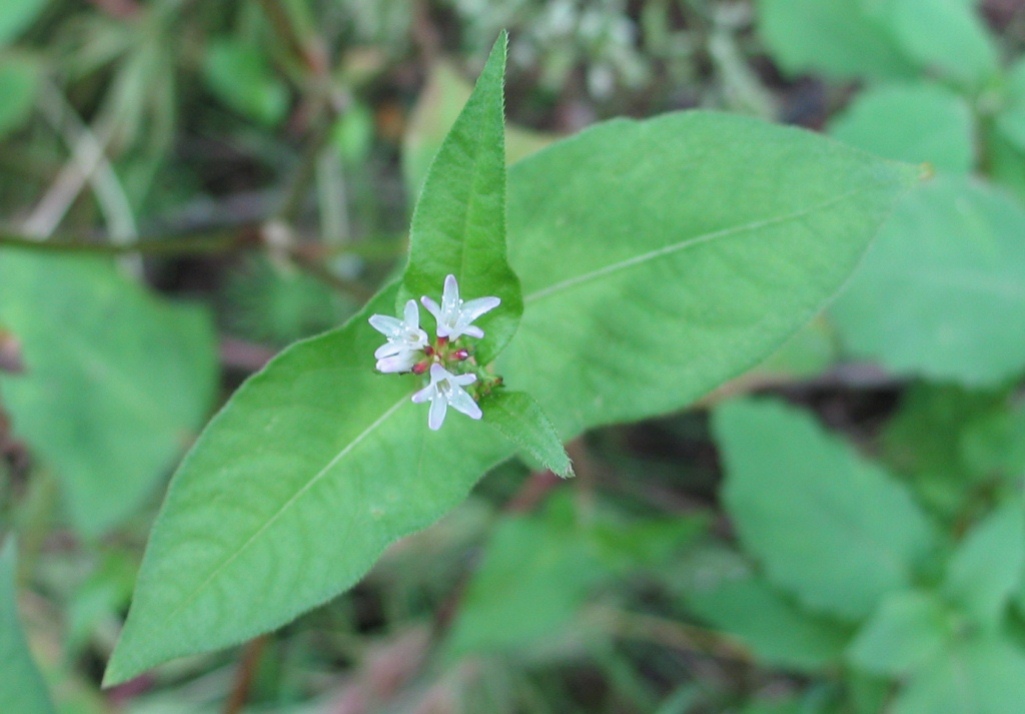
{"x": 252, "y": 652}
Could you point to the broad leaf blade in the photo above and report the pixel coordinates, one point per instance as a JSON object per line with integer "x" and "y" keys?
{"x": 294, "y": 489}
{"x": 459, "y": 225}
{"x": 116, "y": 380}
{"x": 519, "y": 418}
{"x": 21, "y": 687}
{"x": 661, "y": 258}
{"x": 799, "y": 498}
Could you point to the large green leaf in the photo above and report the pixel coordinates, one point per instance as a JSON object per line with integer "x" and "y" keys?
{"x": 459, "y": 224}
{"x": 942, "y": 292}
{"x": 918, "y": 122}
{"x": 982, "y": 676}
{"x": 661, "y": 258}
{"x": 839, "y": 38}
{"x": 776, "y": 629}
{"x": 116, "y": 381}
{"x": 295, "y": 488}
{"x": 21, "y": 687}
{"x": 649, "y": 284}
{"x": 829, "y": 527}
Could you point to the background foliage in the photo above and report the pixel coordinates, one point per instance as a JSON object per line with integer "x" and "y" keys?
{"x": 188, "y": 187}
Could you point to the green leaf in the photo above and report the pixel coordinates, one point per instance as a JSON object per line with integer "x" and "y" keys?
{"x": 838, "y": 38}
{"x": 535, "y": 577}
{"x": 116, "y": 380}
{"x": 908, "y": 629}
{"x": 647, "y": 283}
{"x": 239, "y": 75}
{"x": 21, "y": 686}
{"x": 19, "y": 83}
{"x": 520, "y": 419}
{"x": 294, "y": 489}
{"x": 778, "y": 631}
{"x": 16, "y": 16}
{"x": 927, "y": 442}
{"x": 814, "y": 512}
{"x": 987, "y": 566}
{"x": 982, "y": 676}
{"x": 318, "y": 463}
{"x": 947, "y": 36}
{"x": 915, "y": 123}
{"x": 459, "y": 224}
{"x": 941, "y": 294}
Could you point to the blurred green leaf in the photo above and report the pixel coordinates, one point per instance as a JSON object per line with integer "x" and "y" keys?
{"x": 353, "y": 133}
{"x": 116, "y": 382}
{"x": 927, "y": 441}
{"x": 814, "y": 512}
{"x": 520, "y": 419}
{"x": 459, "y": 225}
{"x": 22, "y": 690}
{"x": 987, "y": 565}
{"x": 19, "y": 84}
{"x": 536, "y": 575}
{"x": 16, "y": 16}
{"x": 838, "y": 38}
{"x": 915, "y": 123}
{"x": 777, "y": 630}
{"x": 947, "y": 36}
{"x": 981, "y": 676}
{"x": 701, "y": 290}
{"x": 941, "y": 293}
{"x": 240, "y": 76}
{"x": 908, "y": 629}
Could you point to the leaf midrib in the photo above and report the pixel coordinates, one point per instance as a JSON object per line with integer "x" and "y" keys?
{"x": 684, "y": 245}
{"x": 191, "y": 597}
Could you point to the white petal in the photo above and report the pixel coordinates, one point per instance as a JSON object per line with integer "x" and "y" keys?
{"x": 402, "y": 362}
{"x": 388, "y": 326}
{"x": 432, "y": 307}
{"x": 472, "y": 309}
{"x": 463, "y": 379}
{"x": 472, "y": 331}
{"x": 412, "y": 315}
{"x": 463, "y": 402}
{"x": 436, "y": 417}
{"x": 450, "y": 297}
{"x": 389, "y": 349}
{"x": 439, "y": 373}
{"x": 424, "y": 394}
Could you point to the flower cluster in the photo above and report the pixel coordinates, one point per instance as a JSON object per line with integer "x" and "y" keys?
{"x": 448, "y": 362}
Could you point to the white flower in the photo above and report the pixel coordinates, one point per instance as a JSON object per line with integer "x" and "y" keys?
{"x": 405, "y": 342}
{"x": 445, "y": 389}
{"x": 454, "y": 316}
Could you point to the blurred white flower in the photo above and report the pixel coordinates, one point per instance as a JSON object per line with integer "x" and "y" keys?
{"x": 447, "y": 389}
